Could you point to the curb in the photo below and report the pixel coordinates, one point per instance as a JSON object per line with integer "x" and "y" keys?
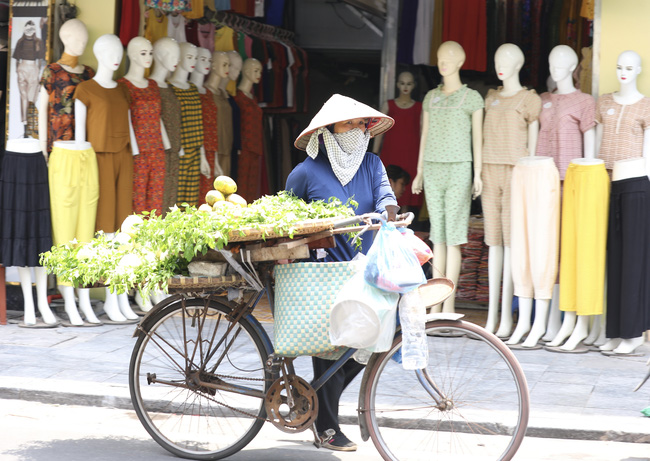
{"x": 124, "y": 403}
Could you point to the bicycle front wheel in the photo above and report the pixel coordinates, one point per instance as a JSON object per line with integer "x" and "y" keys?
{"x": 197, "y": 380}
{"x": 483, "y": 406}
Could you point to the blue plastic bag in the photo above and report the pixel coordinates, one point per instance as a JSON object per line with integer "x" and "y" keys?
{"x": 391, "y": 262}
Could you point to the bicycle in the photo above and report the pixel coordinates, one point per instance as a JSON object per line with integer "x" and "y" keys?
{"x": 203, "y": 380}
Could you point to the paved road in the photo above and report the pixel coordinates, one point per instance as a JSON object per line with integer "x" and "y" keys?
{"x": 31, "y": 431}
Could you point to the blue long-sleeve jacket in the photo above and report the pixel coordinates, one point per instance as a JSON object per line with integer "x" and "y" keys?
{"x": 314, "y": 179}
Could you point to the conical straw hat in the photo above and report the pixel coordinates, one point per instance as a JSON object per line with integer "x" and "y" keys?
{"x": 339, "y": 108}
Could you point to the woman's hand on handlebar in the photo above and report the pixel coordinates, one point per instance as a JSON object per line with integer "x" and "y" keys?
{"x": 391, "y": 212}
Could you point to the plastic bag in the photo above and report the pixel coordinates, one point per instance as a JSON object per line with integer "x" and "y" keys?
{"x": 391, "y": 263}
{"x": 363, "y": 316}
{"x": 420, "y": 249}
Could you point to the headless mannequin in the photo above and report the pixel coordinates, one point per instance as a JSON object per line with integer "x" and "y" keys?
{"x": 405, "y": 84}
{"x": 508, "y": 61}
{"x": 562, "y": 62}
{"x": 447, "y": 258}
{"x": 74, "y": 36}
{"x": 30, "y": 146}
{"x": 202, "y": 68}
{"x": 140, "y": 53}
{"x": 628, "y": 67}
{"x": 108, "y": 51}
{"x": 251, "y": 75}
{"x": 179, "y": 79}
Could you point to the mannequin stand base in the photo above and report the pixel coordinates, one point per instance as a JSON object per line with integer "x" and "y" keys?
{"x": 580, "y": 349}
{"x": 38, "y": 325}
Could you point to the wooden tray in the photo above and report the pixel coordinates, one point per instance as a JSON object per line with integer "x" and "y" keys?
{"x": 310, "y": 226}
{"x": 185, "y": 283}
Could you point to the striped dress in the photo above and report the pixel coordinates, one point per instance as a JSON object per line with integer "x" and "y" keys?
{"x": 191, "y": 142}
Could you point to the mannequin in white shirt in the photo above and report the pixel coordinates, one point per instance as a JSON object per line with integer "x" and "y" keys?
{"x": 108, "y": 51}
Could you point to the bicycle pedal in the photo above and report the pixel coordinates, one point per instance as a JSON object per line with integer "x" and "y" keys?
{"x": 320, "y": 439}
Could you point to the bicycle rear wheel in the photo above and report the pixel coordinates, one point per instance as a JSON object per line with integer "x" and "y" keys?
{"x": 485, "y": 399}
{"x": 188, "y": 342}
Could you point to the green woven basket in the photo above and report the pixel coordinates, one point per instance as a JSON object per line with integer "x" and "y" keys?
{"x": 304, "y": 294}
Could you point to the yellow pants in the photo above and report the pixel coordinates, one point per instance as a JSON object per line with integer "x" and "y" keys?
{"x": 584, "y": 239}
{"x": 74, "y": 192}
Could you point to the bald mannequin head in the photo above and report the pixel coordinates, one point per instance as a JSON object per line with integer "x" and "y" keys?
{"x": 451, "y": 58}
{"x": 252, "y": 70}
{"x": 508, "y": 61}
{"x": 628, "y": 66}
{"x": 562, "y": 62}
{"x": 74, "y": 36}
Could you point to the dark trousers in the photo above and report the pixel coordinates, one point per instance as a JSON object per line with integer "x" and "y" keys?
{"x": 628, "y": 259}
{"x": 330, "y": 394}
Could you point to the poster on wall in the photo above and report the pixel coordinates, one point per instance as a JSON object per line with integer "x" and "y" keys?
{"x": 28, "y": 52}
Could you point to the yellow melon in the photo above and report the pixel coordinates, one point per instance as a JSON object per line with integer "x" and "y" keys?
{"x": 225, "y": 184}
{"x": 213, "y": 197}
{"x": 237, "y": 200}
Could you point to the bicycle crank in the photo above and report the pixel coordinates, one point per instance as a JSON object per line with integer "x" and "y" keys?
{"x": 294, "y": 412}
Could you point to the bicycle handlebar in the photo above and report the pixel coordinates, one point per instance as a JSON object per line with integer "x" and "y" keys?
{"x": 402, "y": 220}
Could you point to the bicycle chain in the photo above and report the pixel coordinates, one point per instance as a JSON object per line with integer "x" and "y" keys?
{"x": 243, "y": 412}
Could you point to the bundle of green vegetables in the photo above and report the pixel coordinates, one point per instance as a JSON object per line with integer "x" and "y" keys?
{"x": 150, "y": 249}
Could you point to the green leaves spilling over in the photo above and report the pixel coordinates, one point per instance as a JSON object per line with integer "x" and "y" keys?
{"x": 159, "y": 248}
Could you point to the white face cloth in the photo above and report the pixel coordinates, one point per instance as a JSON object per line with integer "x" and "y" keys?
{"x": 344, "y": 150}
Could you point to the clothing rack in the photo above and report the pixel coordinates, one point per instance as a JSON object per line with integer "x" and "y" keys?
{"x": 252, "y": 27}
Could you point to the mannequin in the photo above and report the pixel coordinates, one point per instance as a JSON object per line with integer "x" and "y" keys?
{"x": 29, "y": 53}
{"x": 250, "y": 160}
{"x": 166, "y": 55}
{"x": 23, "y": 180}
{"x": 566, "y": 131}
{"x": 210, "y": 168}
{"x": 627, "y": 315}
{"x": 57, "y": 123}
{"x": 191, "y": 126}
{"x": 219, "y": 73}
{"x": 510, "y": 132}
{"x": 402, "y": 147}
{"x": 628, "y": 67}
{"x": 73, "y": 209}
{"x": 451, "y": 139}
{"x": 151, "y": 138}
{"x": 97, "y": 102}
{"x": 229, "y": 125}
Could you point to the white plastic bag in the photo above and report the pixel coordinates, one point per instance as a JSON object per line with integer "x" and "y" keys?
{"x": 363, "y": 316}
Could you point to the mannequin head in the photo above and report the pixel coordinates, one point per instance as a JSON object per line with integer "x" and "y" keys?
{"x": 220, "y": 64}
{"x": 189, "y": 54}
{"x": 562, "y": 62}
{"x": 451, "y": 58}
{"x": 628, "y": 67}
{"x": 508, "y": 61}
{"x": 405, "y": 83}
{"x": 140, "y": 52}
{"x": 74, "y": 36}
{"x": 252, "y": 70}
{"x": 236, "y": 63}
{"x": 167, "y": 53}
{"x": 108, "y": 51}
{"x": 203, "y": 61}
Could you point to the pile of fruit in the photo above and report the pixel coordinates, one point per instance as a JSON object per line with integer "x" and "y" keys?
{"x": 150, "y": 249}
{"x": 223, "y": 196}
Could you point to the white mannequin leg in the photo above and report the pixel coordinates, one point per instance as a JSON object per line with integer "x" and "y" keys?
{"x": 143, "y": 303}
{"x": 40, "y": 275}
{"x": 523, "y": 324}
{"x": 628, "y": 346}
{"x": 506, "y": 296}
{"x": 555, "y": 316}
{"x": 566, "y": 329}
{"x": 85, "y": 306}
{"x": 611, "y": 344}
{"x": 594, "y": 331}
{"x": 495, "y": 272}
{"x": 70, "y": 304}
{"x": 452, "y": 273}
{"x": 439, "y": 268}
{"x": 602, "y": 339}
{"x": 580, "y": 332}
{"x": 539, "y": 324}
{"x": 25, "y": 274}
{"x": 158, "y": 296}
{"x": 125, "y": 307}
{"x": 112, "y": 308}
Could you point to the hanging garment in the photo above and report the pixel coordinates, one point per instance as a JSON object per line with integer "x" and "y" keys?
{"x": 423, "y": 30}
{"x": 465, "y": 21}
{"x": 406, "y": 33}
{"x": 169, "y": 6}
{"x": 250, "y": 161}
{"x": 176, "y": 28}
{"x": 156, "y": 26}
{"x": 129, "y": 21}
{"x": 224, "y": 130}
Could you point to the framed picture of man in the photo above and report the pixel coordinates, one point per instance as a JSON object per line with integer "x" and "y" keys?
{"x": 28, "y": 52}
